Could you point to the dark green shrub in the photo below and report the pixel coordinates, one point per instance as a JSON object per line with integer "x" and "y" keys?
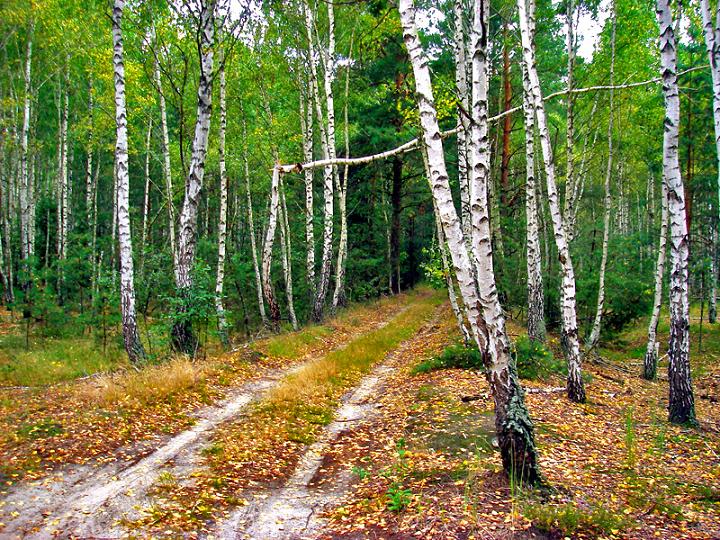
{"x": 455, "y": 356}
{"x": 534, "y": 360}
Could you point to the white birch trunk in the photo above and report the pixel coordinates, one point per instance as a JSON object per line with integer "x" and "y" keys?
{"x": 222, "y": 219}
{"x": 89, "y": 169}
{"x": 182, "y": 335}
{"x": 27, "y": 228}
{"x": 463, "y": 95}
{"x": 681, "y": 403}
{"x": 711, "y": 31}
{"x": 536, "y": 296}
{"x": 133, "y": 345}
{"x": 251, "y": 227}
{"x": 286, "y": 253}
{"x": 514, "y": 427}
{"x": 146, "y": 194}
{"x": 570, "y": 178}
{"x": 597, "y": 322}
{"x": 651, "y": 353}
{"x": 575, "y": 386}
{"x": 267, "y": 286}
{"x": 306, "y": 126}
{"x": 329, "y": 179}
{"x": 167, "y": 171}
{"x": 339, "y": 297}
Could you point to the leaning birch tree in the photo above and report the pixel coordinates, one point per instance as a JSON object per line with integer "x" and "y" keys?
{"x": 681, "y": 407}
{"x": 133, "y": 345}
{"x": 514, "y": 427}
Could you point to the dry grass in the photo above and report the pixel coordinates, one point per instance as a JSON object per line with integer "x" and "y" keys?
{"x": 319, "y": 378}
{"x": 151, "y": 384}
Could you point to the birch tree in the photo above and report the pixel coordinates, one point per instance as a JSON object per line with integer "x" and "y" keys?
{"x": 167, "y": 170}
{"x": 133, "y": 345}
{"x": 514, "y": 427}
{"x": 597, "y": 322}
{"x": 536, "y": 296}
{"x": 183, "y": 338}
{"x": 27, "y": 225}
{"x": 251, "y": 226}
{"x": 267, "y": 286}
{"x": 461, "y": 46}
{"x": 651, "y": 353}
{"x": 222, "y": 218}
{"x": 681, "y": 408}
{"x": 575, "y": 386}
{"x": 306, "y": 126}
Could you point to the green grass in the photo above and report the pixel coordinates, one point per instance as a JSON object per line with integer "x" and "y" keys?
{"x": 569, "y": 520}
{"x": 294, "y": 344}
{"x": 54, "y": 360}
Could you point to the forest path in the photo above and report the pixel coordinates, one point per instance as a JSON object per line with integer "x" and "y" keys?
{"x": 87, "y": 501}
{"x": 294, "y": 510}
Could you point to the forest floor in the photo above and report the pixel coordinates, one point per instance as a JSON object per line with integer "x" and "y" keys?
{"x": 330, "y": 433}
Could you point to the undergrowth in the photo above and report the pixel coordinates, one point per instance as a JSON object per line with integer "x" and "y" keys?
{"x": 533, "y": 360}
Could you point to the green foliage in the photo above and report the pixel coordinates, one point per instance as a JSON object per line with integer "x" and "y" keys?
{"x": 454, "y": 356}
{"x": 569, "y": 520}
{"x": 432, "y": 268}
{"x": 534, "y": 360}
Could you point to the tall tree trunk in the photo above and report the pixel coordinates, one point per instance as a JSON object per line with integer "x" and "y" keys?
{"x": 133, "y": 345}
{"x": 286, "y": 254}
{"x": 27, "y": 228}
{"x": 167, "y": 171}
{"x": 536, "y": 296}
{"x": 514, "y": 427}
{"x": 507, "y": 123}
{"x": 183, "y": 338}
{"x": 222, "y": 219}
{"x": 306, "y": 125}
{"x": 146, "y": 196}
{"x": 251, "y": 227}
{"x": 267, "y": 286}
{"x": 575, "y": 386}
{"x": 712, "y": 41}
{"x": 651, "y": 354}
{"x": 339, "y": 297}
{"x": 329, "y": 180}
{"x": 461, "y": 70}
{"x": 597, "y": 323}
{"x": 682, "y": 402}
{"x": 570, "y": 178}
{"x": 89, "y": 170}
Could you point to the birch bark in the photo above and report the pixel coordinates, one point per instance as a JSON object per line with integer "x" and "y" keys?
{"x": 167, "y": 170}
{"x": 682, "y": 403}
{"x": 133, "y": 345}
{"x": 183, "y": 338}
{"x": 222, "y": 219}
{"x": 461, "y": 86}
{"x": 339, "y": 297}
{"x": 286, "y": 253}
{"x": 26, "y": 202}
{"x": 514, "y": 427}
{"x": 267, "y": 286}
{"x": 651, "y": 353}
{"x": 712, "y": 42}
{"x": 251, "y": 227}
{"x": 329, "y": 179}
{"x": 306, "y": 126}
{"x": 597, "y": 323}
{"x": 536, "y": 297}
{"x": 575, "y": 386}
